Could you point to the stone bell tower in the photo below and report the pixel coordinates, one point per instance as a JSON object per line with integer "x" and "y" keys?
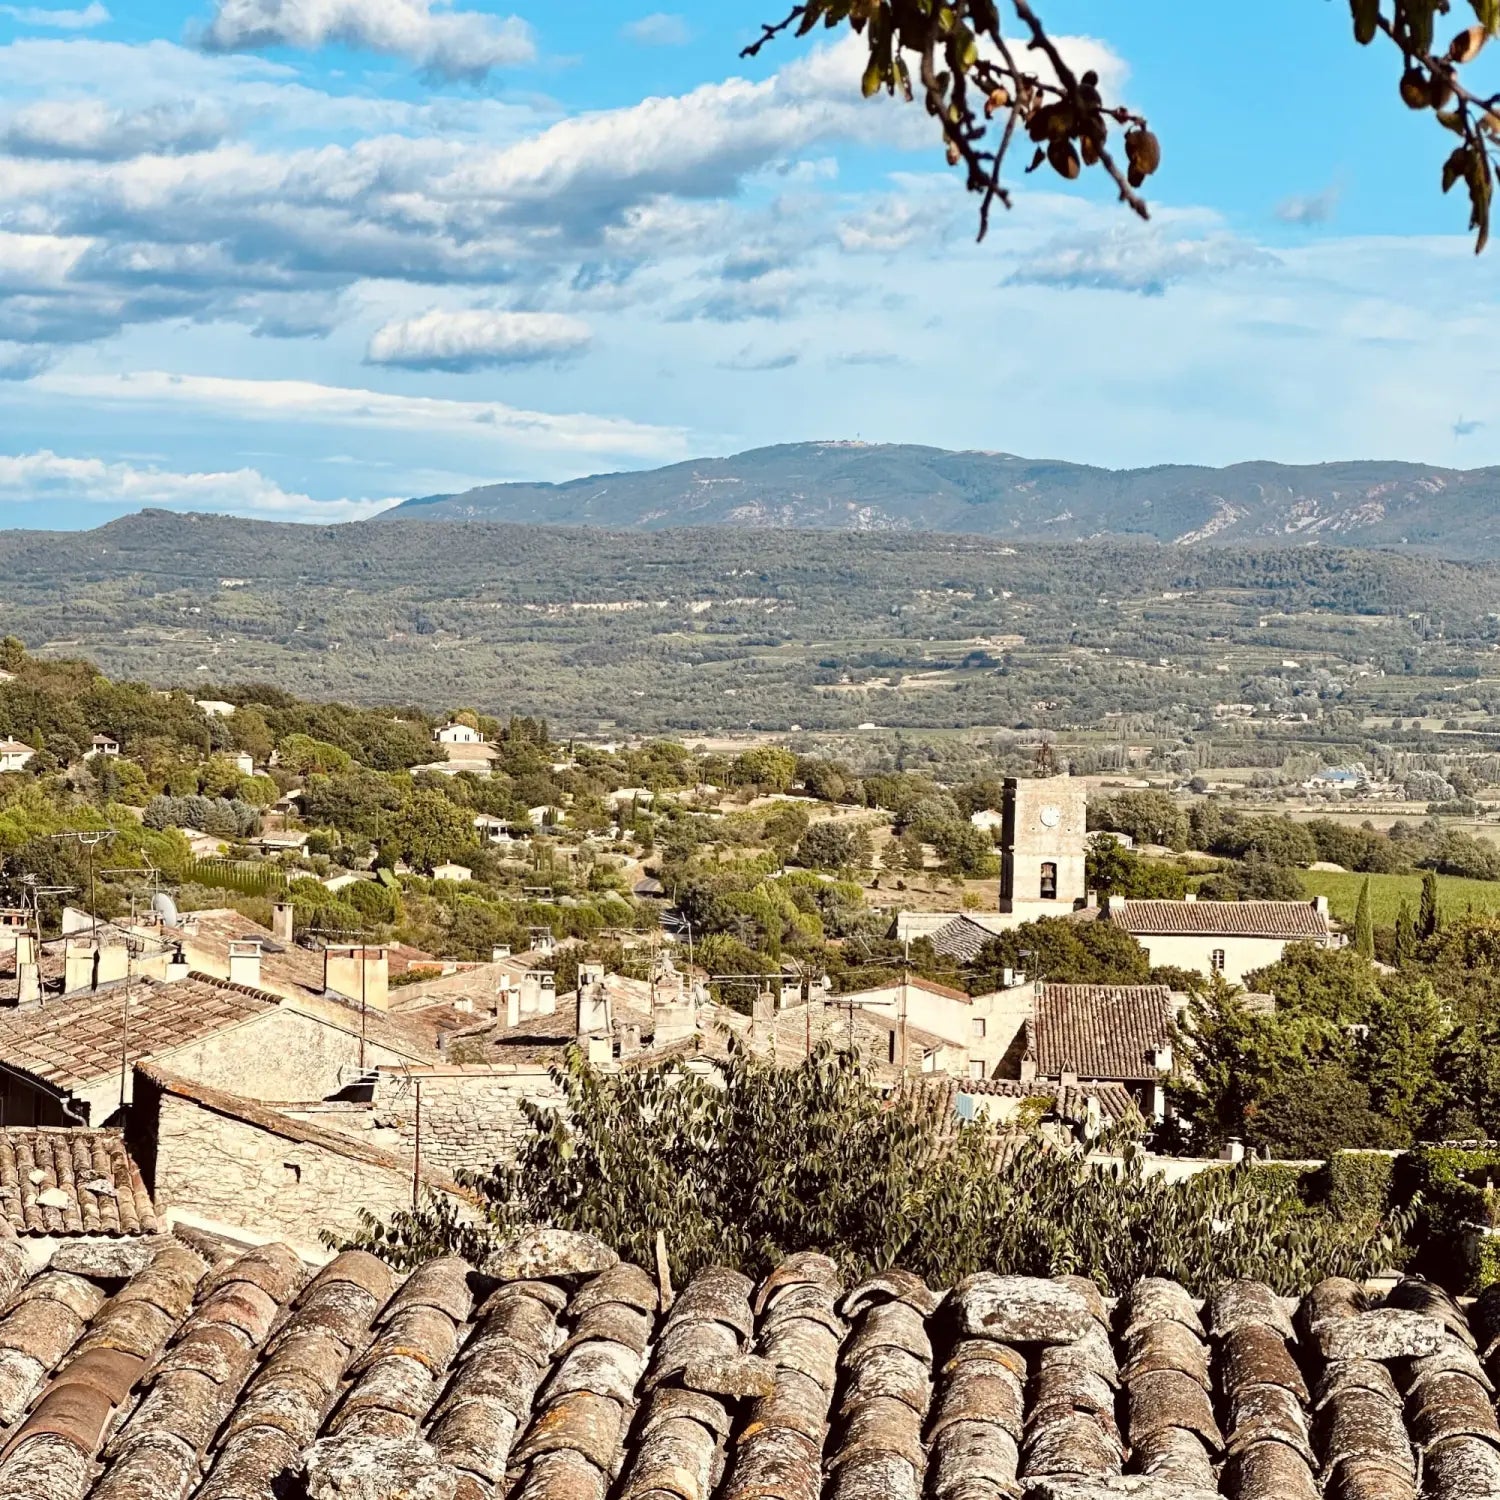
{"x": 1043, "y": 842}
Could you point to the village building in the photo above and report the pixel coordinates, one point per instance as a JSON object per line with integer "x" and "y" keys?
{"x": 457, "y": 734}
{"x": 14, "y": 755}
{"x": 1226, "y": 938}
{"x": 244, "y": 762}
{"x": 102, "y": 744}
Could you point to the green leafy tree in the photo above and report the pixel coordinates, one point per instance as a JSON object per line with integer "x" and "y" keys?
{"x": 1062, "y": 952}
{"x": 835, "y": 845}
{"x": 767, "y": 768}
{"x": 1364, "y": 925}
{"x": 428, "y": 830}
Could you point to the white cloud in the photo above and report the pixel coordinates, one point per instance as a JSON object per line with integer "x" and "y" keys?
{"x": 659, "y": 29}
{"x": 1309, "y": 208}
{"x": 307, "y": 401}
{"x": 451, "y": 43}
{"x": 1144, "y": 260}
{"x": 90, "y": 16}
{"x": 473, "y": 338}
{"x": 89, "y": 128}
{"x": 22, "y": 361}
{"x": 46, "y": 475}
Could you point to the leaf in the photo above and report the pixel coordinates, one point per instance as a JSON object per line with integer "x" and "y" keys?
{"x": 1366, "y": 17}
{"x": 1488, "y": 12}
{"x": 1455, "y": 167}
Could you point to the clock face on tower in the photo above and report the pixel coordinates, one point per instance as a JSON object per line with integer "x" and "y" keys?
{"x": 1051, "y": 817}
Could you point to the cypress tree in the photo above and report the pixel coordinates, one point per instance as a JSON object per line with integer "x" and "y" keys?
{"x": 1364, "y": 927}
{"x": 1427, "y": 918}
{"x": 1406, "y": 937}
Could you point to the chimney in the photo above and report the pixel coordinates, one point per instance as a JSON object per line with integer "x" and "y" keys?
{"x": 547, "y": 1000}
{"x": 593, "y": 1017}
{"x": 177, "y": 965}
{"x": 282, "y": 915}
{"x": 531, "y": 993}
{"x": 114, "y": 963}
{"x": 673, "y": 1018}
{"x": 244, "y": 962}
{"x": 25, "y": 948}
{"x": 358, "y": 974}
{"x": 1234, "y": 1152}
{"x": 28, "y": 986}
{"x": 78, "y": 967}
{"x": 512, "y": 1005}
{"x": 1320, "y": 905}
{"x": 601, "y": 1051}
{"x": 499, "y": 954}
{"x": 630, "y": 1039}
{"x": 763, "y": 1007}
{"x": 1190, "y": 896}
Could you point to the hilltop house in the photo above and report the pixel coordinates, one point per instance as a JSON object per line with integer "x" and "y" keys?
{"x": 457, "y": 734}
{"x": 103, "y": 744}
{"x": 14, "y": 755}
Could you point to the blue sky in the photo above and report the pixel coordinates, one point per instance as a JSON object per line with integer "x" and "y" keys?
{"x": 299, "y": 259}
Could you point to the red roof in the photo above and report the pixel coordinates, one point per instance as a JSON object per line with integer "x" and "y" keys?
{"x": 1101, "y": 1030}
{"x": 1288, "y": 920}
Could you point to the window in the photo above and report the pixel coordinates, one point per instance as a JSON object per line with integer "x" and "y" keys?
{"x": 293, "y": 1171}
{"x": 1049, "y": 882}
{"x": 976, "y": 1068}
{"x": 976, "y": 1027}
{"x": 1216, "y": 960}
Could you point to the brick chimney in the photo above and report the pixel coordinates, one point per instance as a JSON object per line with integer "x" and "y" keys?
{"x": 358, "y": 974}
{"x": 244, "y": 962}
{"x": 282, "y": 915}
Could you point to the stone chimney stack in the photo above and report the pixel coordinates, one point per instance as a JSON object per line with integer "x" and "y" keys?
{"x": 79, "y": 959}
{"x": 25, "y": 948}
{"x": 244, "y": 963}
{"x": 512, "y": 997}
{"x": 282, "y": 914}
{"x": 594, "y": 1015}
{"x": 177, "y": 965}
{"x": 630, "y": 1039}
{"x": 361, "y": 974}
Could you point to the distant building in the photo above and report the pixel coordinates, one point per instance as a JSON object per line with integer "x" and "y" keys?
{"x": 457, "y": 734}
{"x": 1043, "y": 839}
{"x": 215, "y": 708}
{"x": 452, "y": 871}
{"x": 103, "y": 744}
{"x": 14, "y": 755}
{"x": 1228, "y": 938}
{"x": 244, "y": 763}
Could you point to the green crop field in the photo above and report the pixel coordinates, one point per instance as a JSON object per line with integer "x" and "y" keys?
{"x": 1387, "y": 892}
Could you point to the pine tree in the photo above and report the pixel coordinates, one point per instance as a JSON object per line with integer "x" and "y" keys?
{"x": 1364, "y": 927}
{"x": 1428, "y": 920}
{"x": 1406, "y": 937}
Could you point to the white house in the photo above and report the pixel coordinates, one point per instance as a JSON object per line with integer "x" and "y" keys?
{"x": 493, "y": 830}
{"x": 457, "y": 734}
{"x": 628, "y": 794}
{"x": 1229, "y": 938}
{"x": 14, "y": 755}
{"x": 244, "y": 762}
{"x": 452, "y": 872}
{"x": 215, "y": 708}
{"x": 102, "y": 744}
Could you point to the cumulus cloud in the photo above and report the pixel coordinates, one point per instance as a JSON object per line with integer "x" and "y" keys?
{"x": 1309, "y": 208}
{"x": 1144, "y": 260}
{"x": 660, "y": 29}
{"x": 476, "y": 338}
{"x": 86, "y": 19}
{"x": 47, "y": 475}
{"x": 456, "y": 44}
{"x": 307, "y": 401}
{"x": 90, "y": 129}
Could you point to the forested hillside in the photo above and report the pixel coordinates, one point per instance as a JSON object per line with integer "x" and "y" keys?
{"x": 707, "y": 630}
{"x": 884, "y": 487}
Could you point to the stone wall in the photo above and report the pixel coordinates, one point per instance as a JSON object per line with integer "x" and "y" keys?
{"x": 470, "y": 1116}
{"x": 283, "y": 1055}
{"x": 238, "y": 1174}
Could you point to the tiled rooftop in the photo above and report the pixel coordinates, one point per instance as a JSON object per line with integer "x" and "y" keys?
{"x": 1289, "y": 920}
{"x": 77, "y": 1039}
{"x": 1100, "y": 1030}
{"x": 556, "y": 1375}
{"x": 65, "y": 1181}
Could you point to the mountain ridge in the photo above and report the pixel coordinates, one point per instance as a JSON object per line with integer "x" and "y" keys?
{"x": 851, "y": 486}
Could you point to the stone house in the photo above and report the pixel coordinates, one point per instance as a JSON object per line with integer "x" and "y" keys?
{"x": 1091, "y": 1035}
{"x": 216, "y": 1161}
{"x": 1227, "y": 938}
{"x": 983, "y": 1028}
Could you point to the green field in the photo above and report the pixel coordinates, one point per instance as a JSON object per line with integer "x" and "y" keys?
{"x": 1387, "y": 892}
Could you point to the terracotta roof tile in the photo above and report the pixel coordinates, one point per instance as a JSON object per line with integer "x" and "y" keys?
{"x": 568, "y": 1380}
{"x": 76, "y": 1039}
{"x": 1100, "y": 1031}
{"x": 1290, "y": 920}
{"x": 65, "y": 1181}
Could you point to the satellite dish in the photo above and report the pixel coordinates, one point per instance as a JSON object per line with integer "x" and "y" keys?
{"x": 165, "y": 907}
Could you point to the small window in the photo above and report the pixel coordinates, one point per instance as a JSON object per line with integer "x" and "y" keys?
{"x": 976, "y": 1068}
{"x": 293, "y": 1171}
{"x": 1216, "y": 960}
{"x": 1049, "y": 882}
{"x": 893, "y": 1047}
{"x": 976, "y": 1027}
